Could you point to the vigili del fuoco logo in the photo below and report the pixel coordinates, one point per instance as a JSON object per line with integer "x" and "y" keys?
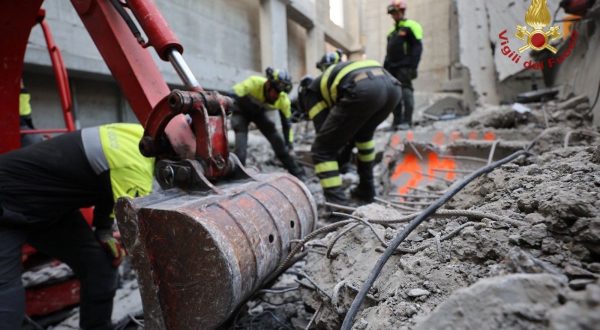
{"x": 537, "y": 38}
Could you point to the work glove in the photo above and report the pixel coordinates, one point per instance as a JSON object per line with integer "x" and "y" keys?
{"x": 111, "y": 245}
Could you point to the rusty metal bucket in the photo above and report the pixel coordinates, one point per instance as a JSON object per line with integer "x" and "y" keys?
{"x": 203, "y": 253}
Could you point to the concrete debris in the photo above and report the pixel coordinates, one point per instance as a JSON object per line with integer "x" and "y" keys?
{"x": 447, "y": 108}
{"x": 45, "y": 274}
{"x": 127, "y": 308}
{"x": 520, "y": 108}
{"x": 418, "y": 293}
{"x": 541, "y": 95}
{"x": 518, "y": 301}
{"x": 528, "y": 273}
{"x": 528, "y": 259}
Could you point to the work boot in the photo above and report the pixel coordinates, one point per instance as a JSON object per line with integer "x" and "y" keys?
{"x": 403, "y": 127}
{"x": 335, "y": 195}
{"x": 365, "y": 191}
{"x": 346, "y": 168}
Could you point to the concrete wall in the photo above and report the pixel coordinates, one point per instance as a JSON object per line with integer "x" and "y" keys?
{"x": 225, "y": 41}
{"x": 221, "y": 40}
{"x": 579, "y": 73}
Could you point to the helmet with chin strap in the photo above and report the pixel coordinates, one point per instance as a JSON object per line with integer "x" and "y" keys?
{"x": 279, "y": 79}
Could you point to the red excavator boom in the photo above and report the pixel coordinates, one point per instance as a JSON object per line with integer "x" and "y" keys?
{"x": 215, "y": 233}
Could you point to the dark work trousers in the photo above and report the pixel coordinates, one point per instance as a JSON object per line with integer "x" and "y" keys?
{"x": 251, "y": 113}
{"x": 28, "y": 139}
{"x": 404, "y": 110}
{"x": 72, "y": 241}
{"x": 360, "y": 108}
{"x": 345, "y": 154}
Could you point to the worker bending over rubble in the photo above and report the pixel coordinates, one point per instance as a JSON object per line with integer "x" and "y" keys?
{"x": 253, "y": 98}
{"x": 42, "y": 188}
{"x": 347, "y": 102}
{"x": 345, "y": 154}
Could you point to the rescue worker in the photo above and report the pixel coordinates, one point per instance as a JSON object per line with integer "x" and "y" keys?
{"x": 345, "y": 155}
{"x": 404, "y": 49}
{"x": 42, "y": 188}
{"x": 253, "y": 98}
{"x": 348, "y": 101}
{"x": 26, "y": 122}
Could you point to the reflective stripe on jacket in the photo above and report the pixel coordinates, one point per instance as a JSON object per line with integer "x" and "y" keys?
{"x": 332, "y": 77}
{"x": 404, "y": 45}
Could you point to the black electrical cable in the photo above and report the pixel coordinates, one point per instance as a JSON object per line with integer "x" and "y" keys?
{"x": 597, "y": 97}
{"x": 348, "y": 320}
{"x": 555, "y": 13}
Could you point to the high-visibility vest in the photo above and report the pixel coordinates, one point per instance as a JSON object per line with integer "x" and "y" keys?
{"x": 24, "y": 104}
{"x": 254, "y": 87}
{"x": 330, "y": 81}
{"x": 115, "y": 147}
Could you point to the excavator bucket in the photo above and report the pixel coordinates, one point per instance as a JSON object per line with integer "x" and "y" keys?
{"x": 424, "y": 162}
{"x": 200, "y": 253}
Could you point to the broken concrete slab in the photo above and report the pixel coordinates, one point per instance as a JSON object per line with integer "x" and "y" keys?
{"x": 573, "y": 102}
{"x": 517, "y": 301}
{"x": 446, "y": 108}
{"x": 578, "y": 73}
{"x": 541, "y": 95}
{"x": 475, "y": 54}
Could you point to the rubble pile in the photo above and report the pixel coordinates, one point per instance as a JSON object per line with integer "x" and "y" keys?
{"x": 532, "y": 262}
{"x": 518, "y": 248}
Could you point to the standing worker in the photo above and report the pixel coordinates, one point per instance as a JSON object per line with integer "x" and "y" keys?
{"x": 42, "y": 188}
{"x": 26, "y": 122}
{"x": 404, "y": 49}
{"x": 348, "y": 101}
{"x": 253, "y": 98}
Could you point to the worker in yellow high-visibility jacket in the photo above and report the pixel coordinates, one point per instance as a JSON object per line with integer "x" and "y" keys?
{"x": 42, "y": 188}
{"x": 253, "y": 98}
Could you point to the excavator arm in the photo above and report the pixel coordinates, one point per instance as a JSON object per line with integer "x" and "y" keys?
{"x": 215, "y": 233}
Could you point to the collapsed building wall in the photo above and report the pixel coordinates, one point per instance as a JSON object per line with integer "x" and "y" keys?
{"x": 578, "y": 74}
{"x": 495, "y": 70}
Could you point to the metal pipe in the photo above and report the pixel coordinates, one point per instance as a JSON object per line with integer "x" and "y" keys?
{"x": 183, "y": 70}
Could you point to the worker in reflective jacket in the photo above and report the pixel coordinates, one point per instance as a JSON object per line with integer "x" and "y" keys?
{"x": 404, "y": 49}
{"x": 42, "y": 188}
{"x": 253, "y": 97}
{"x": 26, "y": 122}
{"x": 348, "y": 101}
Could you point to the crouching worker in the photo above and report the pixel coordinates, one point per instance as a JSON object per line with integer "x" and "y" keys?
{"x": 42, "y": 188}
{"x": 253, "y": 98}
{"x": 347, "y": 102}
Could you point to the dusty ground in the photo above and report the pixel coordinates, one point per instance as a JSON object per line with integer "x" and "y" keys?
{"x": 532, "y": 263}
